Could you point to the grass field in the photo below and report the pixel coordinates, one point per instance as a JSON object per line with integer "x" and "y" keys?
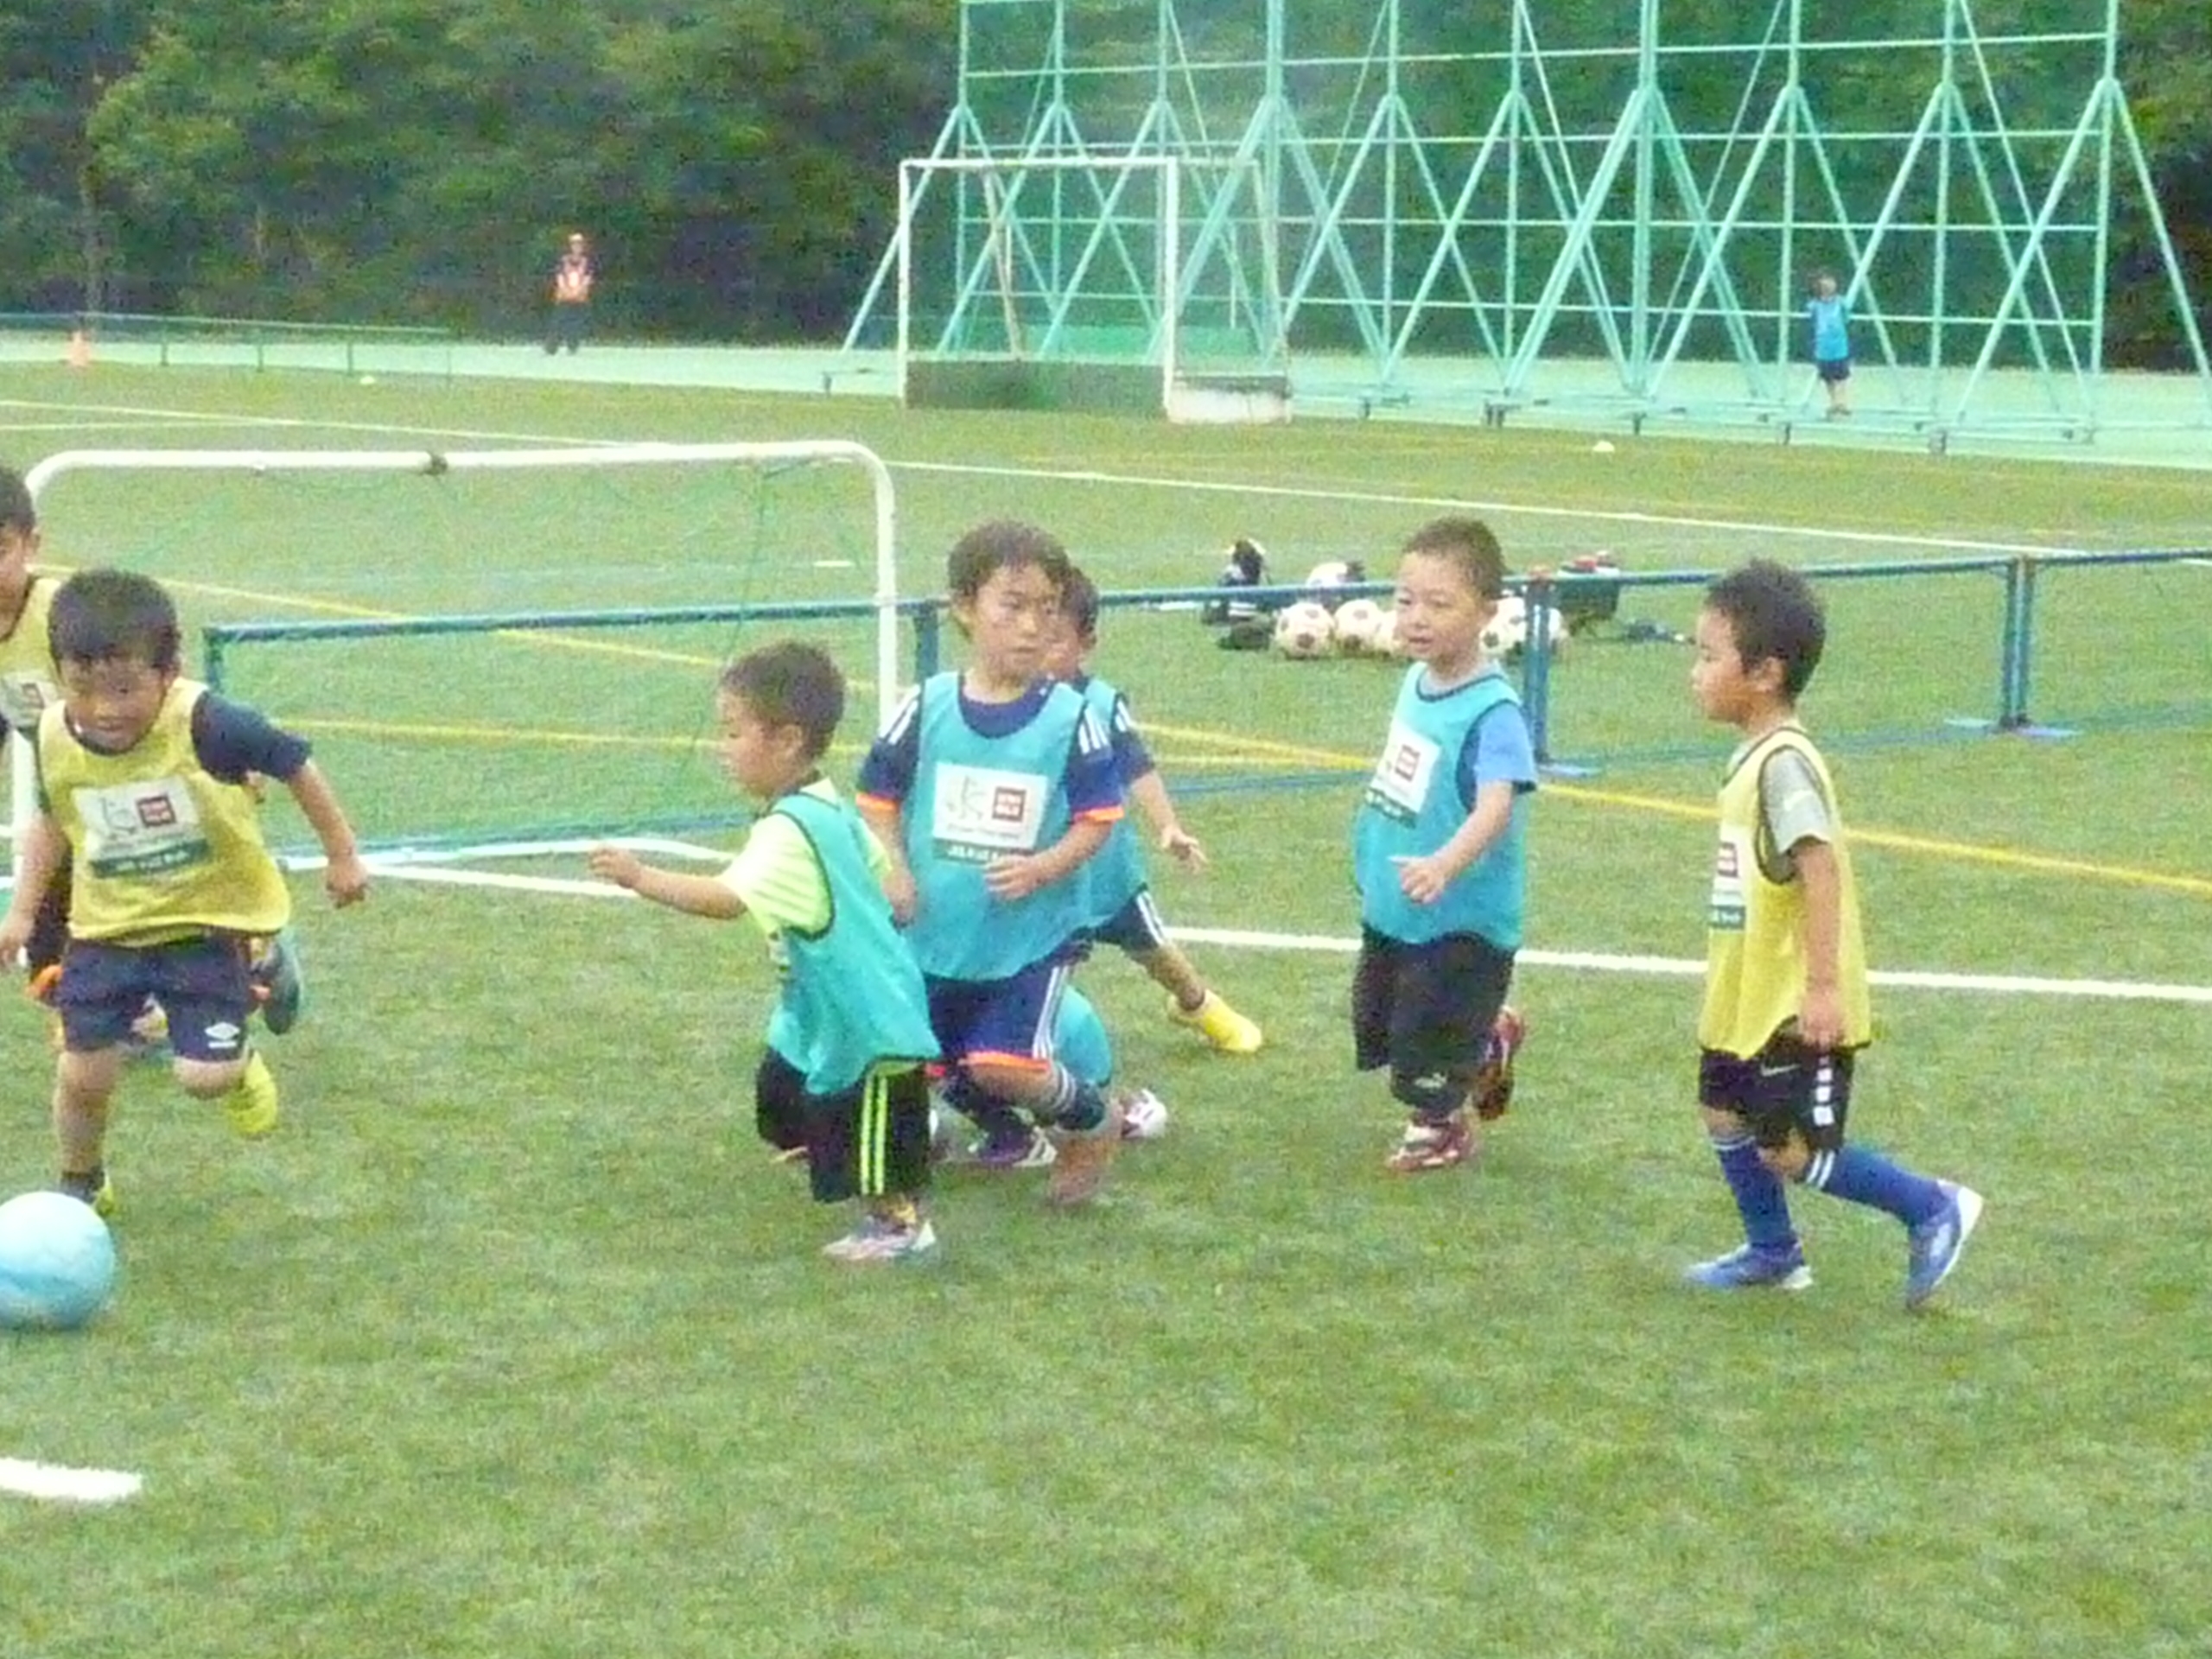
{"x": 512, "y": 1343}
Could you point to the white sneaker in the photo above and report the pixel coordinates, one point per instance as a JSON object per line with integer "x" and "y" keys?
{"x": 1144, "y": 1115}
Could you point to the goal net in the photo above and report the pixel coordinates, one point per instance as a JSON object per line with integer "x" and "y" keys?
{"x": 498, "y": 652}
{"x": 1104, "y": 281}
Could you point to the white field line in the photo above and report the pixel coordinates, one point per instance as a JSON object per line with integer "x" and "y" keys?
{"x": 1084, "y": 475}
{"x": 1240, "y": 938}
{"x": 57, "y": 1484}
{"x": 1471, "y": 503}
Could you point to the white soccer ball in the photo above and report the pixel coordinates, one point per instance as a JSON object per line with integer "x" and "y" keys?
{"x": 1305, "y": 630}
{"x": 1555, "y": 631}
{"x": 1144, "y": 1115}
{"x": 1508, "y": 630}
{"x": 1384, "y": 641}
{"x": 1330, "y": 573}
{"x": 1357, "y": 623}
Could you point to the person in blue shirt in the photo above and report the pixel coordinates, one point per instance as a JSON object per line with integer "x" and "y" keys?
{"x": 1436, "y": 855}
{"x": 992, "y": 786}
{"x": 1830, "y": 320}
{"x": 1124, "y": 913}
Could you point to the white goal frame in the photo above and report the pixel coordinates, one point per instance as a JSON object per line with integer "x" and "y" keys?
{"x": 1110, "y": 172}
{"x": 434, "y": 464}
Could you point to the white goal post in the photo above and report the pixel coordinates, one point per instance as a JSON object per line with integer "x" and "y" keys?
{"x": 1120, "y": 262}
{"x": 884, "y": 598}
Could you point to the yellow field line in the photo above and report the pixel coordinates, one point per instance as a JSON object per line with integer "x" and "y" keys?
{"x": 532, "y": 636}
{"x": 1233, "y": 745}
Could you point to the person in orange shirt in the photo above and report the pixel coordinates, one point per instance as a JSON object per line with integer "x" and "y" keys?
{"x": 572, "y": 276}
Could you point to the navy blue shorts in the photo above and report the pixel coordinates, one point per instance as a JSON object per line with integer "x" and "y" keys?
{"x": 1834, "y": 371}
{"x": 1137, "y": 927}
{"x": 999, "y": 1018}
{"x": 1784, "y": 1090}
{"x": 201, "y": 984}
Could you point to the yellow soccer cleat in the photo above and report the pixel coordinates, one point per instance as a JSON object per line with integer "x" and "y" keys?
{"x": 1221, "y": 1024}
{"x": 99, "y": 1194}
{"x": 251, "y": 1103}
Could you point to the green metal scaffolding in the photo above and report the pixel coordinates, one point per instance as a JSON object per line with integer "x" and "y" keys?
{"x": 1614, "y": 210}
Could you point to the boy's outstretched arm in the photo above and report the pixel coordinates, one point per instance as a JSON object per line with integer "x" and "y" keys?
{"x": 44, "y": 849}
{"x": 1819, "y": 1021}
{"x": 344, "y": 878}
{"x": 1149, "y": 792}
{"x": 694, "y": 895}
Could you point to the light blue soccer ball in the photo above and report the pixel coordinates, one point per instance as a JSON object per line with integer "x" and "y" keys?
{"x": 57, "y": 1262}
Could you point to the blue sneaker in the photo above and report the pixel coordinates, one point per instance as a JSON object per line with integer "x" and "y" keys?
{"x": 1748, "y": 1267}
{"x": 276, "y": 977}
{"x": 1936, "y": 1244}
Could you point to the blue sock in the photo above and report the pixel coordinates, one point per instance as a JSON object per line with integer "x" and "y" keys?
{"x": 1862, "y": 1175}
{"x": 1761, "y": 1198}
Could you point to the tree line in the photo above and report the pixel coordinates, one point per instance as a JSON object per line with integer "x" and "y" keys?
{"x": 414, "y": 161}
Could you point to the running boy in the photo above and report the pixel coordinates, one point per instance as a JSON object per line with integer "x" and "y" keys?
{"x": 27, "y": 687}
{"x": 991, "y": 787}
{"x": 1437, "y": 853}
{"x": 1786, "y": 1005}
{"x": 144, "y": 790}
{"x": 1124, "y": 914}
{"x": 852, "y": 1032}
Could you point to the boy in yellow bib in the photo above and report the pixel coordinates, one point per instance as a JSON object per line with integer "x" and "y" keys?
{"x": 1786, "y": 1006}
{"x": 144, "y": 791}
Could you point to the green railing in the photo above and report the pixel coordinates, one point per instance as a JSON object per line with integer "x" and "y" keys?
{"x": 252, "y": 342}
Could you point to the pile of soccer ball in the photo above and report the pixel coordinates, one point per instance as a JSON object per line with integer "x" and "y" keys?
{"x": 1309, "y": 629}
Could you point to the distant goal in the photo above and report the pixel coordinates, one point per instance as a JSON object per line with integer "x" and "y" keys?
{"x": 1099, "y": 282}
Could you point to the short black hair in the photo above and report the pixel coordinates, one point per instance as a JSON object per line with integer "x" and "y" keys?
{"x": 1774, "y": 613}
{"x": 1003, "y": 544}
{"x": 17, "y": 511}
{"x": 791, "y": 684}
{"x": 106, "y": 615}
{"x": 1468, "y": 544}
{"x": 1079, "y": 604}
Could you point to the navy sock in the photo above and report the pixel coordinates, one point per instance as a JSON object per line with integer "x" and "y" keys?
{"x": 1761, "y": 1198}
{"x": 1001, "y": 1123}
{"x": 1863, "y": 1176}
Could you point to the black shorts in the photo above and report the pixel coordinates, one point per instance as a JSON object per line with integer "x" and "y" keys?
{"x": 201, "y": 983}
{"x": 779, "y": 1102}
{"x": 865, "y": 1141}
{"x": 1426, "y": 1012}
{"x": 1784, "y": 1090}
{"x": 1137, "y": 927}
{"x": 1834, "y": 371}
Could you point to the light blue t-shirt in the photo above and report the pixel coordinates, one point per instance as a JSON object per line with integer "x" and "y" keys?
{"x": 1830, "y": 329}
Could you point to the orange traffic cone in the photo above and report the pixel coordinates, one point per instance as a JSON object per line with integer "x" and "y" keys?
{"x": 81, "y": 349}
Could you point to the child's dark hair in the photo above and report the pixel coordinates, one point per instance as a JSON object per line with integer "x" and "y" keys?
{"x": 1079, "y": 604}
{"x": 1468, "y": 544}
{"x": 103, "y": 616}
{"x": 1774, "y": 613}
{"x": 17, "y": 511}
{"x": 1003, "y": 544}
{"x": 791, "y": 684}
